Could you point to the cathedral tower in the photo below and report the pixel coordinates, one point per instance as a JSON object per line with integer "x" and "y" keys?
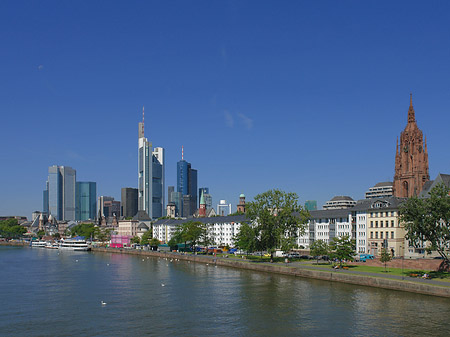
{"x": 411, "y": 159}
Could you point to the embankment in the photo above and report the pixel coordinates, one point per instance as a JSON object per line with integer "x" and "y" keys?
{"x": 334, "y": 276}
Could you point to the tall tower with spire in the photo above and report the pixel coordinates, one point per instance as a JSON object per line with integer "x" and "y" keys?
{"x": 150, "y": 175}
{"x": 411, "y": 159}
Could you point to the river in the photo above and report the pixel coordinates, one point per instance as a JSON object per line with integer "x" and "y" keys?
{"x": 46, "y": 292}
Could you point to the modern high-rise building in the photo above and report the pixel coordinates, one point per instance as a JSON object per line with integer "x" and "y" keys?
{"x": 86, "y": 200}
{"x": 206, "y": 196}
{"x": 150, "y": 176}
{"x": 187, "y": 186}
{"x": 129, "y": 206}
{"x": 177, "y": 199}
{"x": 170, "y": 189}
{"x": 311, "y": 205}
{"x": 59, "y": 196}
{"x": 108, "y": 207}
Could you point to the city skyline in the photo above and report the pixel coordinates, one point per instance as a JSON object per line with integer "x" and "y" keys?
{"x": 307, "y": 97}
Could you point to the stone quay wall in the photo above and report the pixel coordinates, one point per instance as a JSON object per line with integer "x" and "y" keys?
{"x": 334, "y": 276}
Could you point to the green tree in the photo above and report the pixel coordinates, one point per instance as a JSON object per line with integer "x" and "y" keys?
{"x": 385, "y": 257}
{"x": 427, "y": 221}
{"x": 40, "y": 234}
{"x": 247, "y": 238}
{"x": 154, "y": 243}
{"x": 10, "y": 229}
{"x": 276, "y": 215}
{"x": 135, "y": 239}
{"x": 191, "y": 232}
{"x": 343, "y": 248}
{"x": 146, "y": 237}
{"x": 87, "y": 230}
{"x": 319, "y": 247}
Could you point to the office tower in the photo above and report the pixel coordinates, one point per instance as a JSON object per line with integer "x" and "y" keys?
{"x": 59, "y": 196}
{"x": 150, "y": 176}
{"x": 45, "y": 200}
{"x": 108, "y": 207}
{"x": 129, "y": 206}
{"x": 411, "y": 159}
{"x": 187, "y": 186}
{"x": 170, "y": 189}
{"x": 206, "y": 196}
{"x": 86, "y": 200}
{"x": 311, "y": 205}
{"x": 177, "y": 199}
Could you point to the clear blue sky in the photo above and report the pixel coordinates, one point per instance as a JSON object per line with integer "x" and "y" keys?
{"x": 305, "y": 96}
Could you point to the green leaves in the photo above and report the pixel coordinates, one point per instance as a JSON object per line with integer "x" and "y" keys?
{"x": 275, "y": 221}
{"x": 343, "y": 248}
{"x": 427, "y": 220}
{"x": 10, "y": 229}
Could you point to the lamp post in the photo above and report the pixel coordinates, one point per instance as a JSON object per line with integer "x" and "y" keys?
{"x": 403, "y": 256}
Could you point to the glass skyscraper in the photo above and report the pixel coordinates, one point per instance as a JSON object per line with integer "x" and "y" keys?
{"x": 187, "y": 186}
{"x": 150, "y": 177}
{"x": 86, "y": 196}
{"x": 59, "y": 196}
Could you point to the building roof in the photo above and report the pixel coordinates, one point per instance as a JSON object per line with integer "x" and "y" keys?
{"x": 210, "y": 220}
{"x": 142, "y": 216}
{"x": 142, "y": 226}
{"x": 341, "y": 197}
{"x": 386, "y": 183}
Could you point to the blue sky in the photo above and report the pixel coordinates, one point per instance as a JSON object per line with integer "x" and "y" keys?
{"x": 305, "y": 96}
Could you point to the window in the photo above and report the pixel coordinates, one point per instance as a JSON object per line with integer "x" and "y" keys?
{"x": 371, "y": 235}
{"x": 381, "y": 235}
{"x": 376, "y": 235}
{"x": 376, "y": 224}
{"x": 371, "y": 224}
{"x": 381, "y": 224}
{"x": 392, "y": 235}
{"x": 392, "y": 223}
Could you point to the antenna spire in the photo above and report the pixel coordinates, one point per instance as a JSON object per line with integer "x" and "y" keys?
{"x": 142, "y": 119}
{"x": 182, "y": 152}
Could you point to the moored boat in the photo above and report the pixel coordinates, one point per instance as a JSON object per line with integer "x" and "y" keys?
{"x": 74, "y": 244}
{"x": 38, "y": 244}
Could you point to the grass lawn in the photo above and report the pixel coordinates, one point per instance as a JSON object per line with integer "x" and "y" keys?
{"x": 441, "y": 276}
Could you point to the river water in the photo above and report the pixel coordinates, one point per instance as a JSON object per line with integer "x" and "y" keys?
{"x": 47, "y": 292}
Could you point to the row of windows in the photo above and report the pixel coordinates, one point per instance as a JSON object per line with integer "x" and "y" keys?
{"x": 381, "y": 235}
{"x": 380, "y": 214}
{"x": 383, "y": 223}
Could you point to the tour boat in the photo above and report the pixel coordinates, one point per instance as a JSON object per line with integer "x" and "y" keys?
{"x": 74, "y": 244}
{"x": 39, "y": 244}
{"x": 51, "y": 245}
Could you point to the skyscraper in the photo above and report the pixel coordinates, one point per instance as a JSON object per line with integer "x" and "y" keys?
{"x": 86, "y": 200}
{"x": 129, "y": 206}
{"x": 206, "y": 196}
{"x": 150, "y": 176}
{"x": 187, "y": 186}
{"x": 59, "y": 195}
{"x": 411, "y": 159}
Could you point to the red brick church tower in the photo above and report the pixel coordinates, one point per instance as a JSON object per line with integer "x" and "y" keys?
{"x": 411, "y": 159}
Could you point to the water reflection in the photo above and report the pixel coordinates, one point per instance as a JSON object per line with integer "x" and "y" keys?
{"x": 57, "y": 293}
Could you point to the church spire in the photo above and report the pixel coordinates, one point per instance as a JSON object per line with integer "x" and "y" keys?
{"x": 411, "y": 113}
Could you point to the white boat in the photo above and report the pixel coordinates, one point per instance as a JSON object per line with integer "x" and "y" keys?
{"x": 52, "y": 245}
{"x": 74, "y": 244}
{"x": 38, "y": 244}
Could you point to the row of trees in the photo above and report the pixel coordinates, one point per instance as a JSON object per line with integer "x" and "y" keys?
{"x": 10, "y": 229}
{"x": 340, "y": 249}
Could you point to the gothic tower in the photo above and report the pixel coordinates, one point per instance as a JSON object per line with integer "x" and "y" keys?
{"x": 411, "y": 159}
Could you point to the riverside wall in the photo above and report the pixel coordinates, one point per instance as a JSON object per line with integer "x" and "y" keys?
{"x": 334, "y": 276}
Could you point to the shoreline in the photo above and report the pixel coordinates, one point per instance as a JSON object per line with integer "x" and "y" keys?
{"x": 332, "y": 275}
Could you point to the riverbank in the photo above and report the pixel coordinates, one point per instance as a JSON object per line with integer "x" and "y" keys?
{"x": 426, "y": 287}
